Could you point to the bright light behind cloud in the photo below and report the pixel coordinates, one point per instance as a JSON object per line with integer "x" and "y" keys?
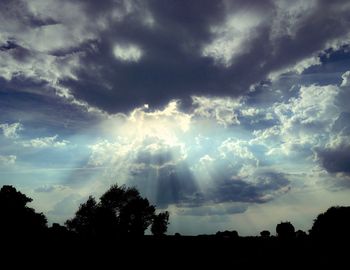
{"x": 248, "y": 106}
{"x": 209, "y": 148}
{"x": 169, "y": 147}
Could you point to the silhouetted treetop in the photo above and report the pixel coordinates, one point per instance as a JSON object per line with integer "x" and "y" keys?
{"x": 160, "y": 223}
{"x": 227, "y": 234}
{"x": 13, "y": 198}
{"x": 121, "y": 211}
{"x": 17, "y": 218}
{"x": 265, "y": 234}
{"x": 300, "y": 234}
{"x": 334, "y": 223}
{"x": 285, "y": 230}
{"x": 84, "y": 221}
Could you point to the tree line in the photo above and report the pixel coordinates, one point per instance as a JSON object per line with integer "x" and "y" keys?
{"x": 122, "y": 212}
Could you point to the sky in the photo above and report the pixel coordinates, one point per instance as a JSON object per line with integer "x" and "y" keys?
{"x": 231, "y": 115}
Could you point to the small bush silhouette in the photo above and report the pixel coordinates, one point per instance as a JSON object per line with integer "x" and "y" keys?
{"x": 265, "y": 234}
{"x": 285, "y": 230}
{"x": 227, "y": 234}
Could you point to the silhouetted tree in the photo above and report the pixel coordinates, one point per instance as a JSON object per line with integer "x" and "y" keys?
{"x": 285, "y": 230}
{"x": 121, "y": 211}
{"x": 227, "y": 234}
{"x": 160, "y": 223}
{"x": 16, "y": 218}
{"x": 133, "y": 214}
{"x": 265, "y": 234}
{"x": 333, "y": 224}
{"x": 300, "y": 234}
{"x": 84, "y": 221}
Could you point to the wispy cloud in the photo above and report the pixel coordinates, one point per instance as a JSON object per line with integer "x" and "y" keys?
{"x": 11, "y": 130}
{"x": 7, "y": 160}
{"x": 46, "y": 142}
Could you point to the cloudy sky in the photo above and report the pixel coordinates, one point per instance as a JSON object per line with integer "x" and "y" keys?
{"x": 230, "y": 114}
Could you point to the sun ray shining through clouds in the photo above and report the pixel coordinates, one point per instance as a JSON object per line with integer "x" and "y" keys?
{"x": 228, "y": 114}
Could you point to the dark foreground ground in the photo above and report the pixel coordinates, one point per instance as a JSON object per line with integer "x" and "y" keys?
{"x": 174, "y": 252}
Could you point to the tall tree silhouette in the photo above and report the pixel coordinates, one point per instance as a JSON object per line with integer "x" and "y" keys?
{"x": 332, "y": 224}
{"x": 121, "y": 211}
{"x": 160, "y": 224}
{"x": 16, "y": 218}
{"x": 84, "y": 221}
{"x": 285, "y": 230}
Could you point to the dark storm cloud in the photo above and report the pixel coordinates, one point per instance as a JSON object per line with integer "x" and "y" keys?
{"x": 336, "y": 160}
{"x": 171, "y": 37}
{"x": 18, "y": 10}
{"x": 32, "y": 103}
{"x": 238, "y": 190}
{"x": 211, "y": 210}
{"x": 172, "y": 65}
{"x": 9, "y": 45}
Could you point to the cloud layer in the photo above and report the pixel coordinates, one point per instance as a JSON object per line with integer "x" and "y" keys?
{"x": 135, "y": 53}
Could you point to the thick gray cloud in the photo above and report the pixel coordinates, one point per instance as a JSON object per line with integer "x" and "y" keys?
{"x": 336, "y": 160}
{"x": 335, "y": 157}
{"x": 260, "y": 188}
{"x": 128, "y": 53}
{"x": 215, "y": 209}
{"x": 173, "y": 64}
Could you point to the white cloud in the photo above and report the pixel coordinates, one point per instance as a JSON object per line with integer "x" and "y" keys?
{"x": 298, "y": 68}
{"x": 143, "y": 139}
{"x": 46, "y": 142}
{"x": 69, "y": 28}
{"x": 315, "y": 104}
{"x": 303, "y": 123}
{"x": 69, "y": 25}
{"x": 7, "y": 160}
{"x": 267, "y": 133}
{"x": 232, "y": 37}
{"x": 166, "y": 124}
{"x": 250, "y": 112}
{"x": 11, "y": 130}
{"x": 241, "y": 159}
{"x": 235, "y": 147}
{"x": 223, "y": 110}
{"x": 346, "y": 79}
{"x": 127, "y": 53}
